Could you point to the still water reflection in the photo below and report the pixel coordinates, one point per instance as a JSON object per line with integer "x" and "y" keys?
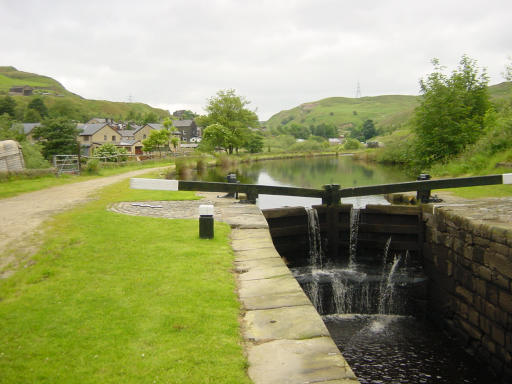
{"x": 310, "y": 173}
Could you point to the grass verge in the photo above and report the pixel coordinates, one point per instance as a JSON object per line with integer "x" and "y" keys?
{"x": 111, "y": 298}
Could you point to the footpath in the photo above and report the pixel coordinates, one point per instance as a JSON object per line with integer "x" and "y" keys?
{"x": 22, "y": 215}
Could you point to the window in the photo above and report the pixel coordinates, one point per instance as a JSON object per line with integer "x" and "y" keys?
{"x": 104, "y": 137}
{"x": 144, "y": 136}
{"x": 86, "y": 138}
{"x": 113, "y": 138}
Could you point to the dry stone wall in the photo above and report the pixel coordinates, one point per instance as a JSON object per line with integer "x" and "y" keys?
{"x": 468, "y": 258}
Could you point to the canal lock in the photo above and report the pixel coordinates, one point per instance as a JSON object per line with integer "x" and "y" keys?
{"x": 363, "y": 270}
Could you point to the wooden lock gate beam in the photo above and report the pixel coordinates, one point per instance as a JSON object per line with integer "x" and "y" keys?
{"x": 331, "y": 193}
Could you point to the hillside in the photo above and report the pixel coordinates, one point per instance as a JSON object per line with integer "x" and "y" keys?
{"x": 344, "y": 111}
{"x": 388, "y": 112}
{"x": 55, "y": 95}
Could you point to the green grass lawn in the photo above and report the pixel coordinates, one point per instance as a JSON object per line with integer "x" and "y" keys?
{"x": 111, "y": 298}
{"x": 18, "y": 186}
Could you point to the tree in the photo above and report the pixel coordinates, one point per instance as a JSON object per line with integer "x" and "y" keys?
{"x": 451, "y": 112}
{"x": 227, "y": 114}
{"x": 58, "y": 137}
{"x": 254, "y": 142}
{"x": 32, "y": 116}
{"x": 38, "y": 105}
{"x": 156, "y": 141}
{"x": 8, "y": 105}
{"x": 368, "y": 130}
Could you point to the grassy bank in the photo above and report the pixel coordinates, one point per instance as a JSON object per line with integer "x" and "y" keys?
{"x": 111, "y": 298}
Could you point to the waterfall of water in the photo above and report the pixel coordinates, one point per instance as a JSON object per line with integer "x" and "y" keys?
{"x": 354, "y": 230}
{"x": 386, "y": 302}
{"x": 315, "y": 240}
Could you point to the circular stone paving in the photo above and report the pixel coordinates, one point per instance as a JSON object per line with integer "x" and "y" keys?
{"x": 187, "y": 209}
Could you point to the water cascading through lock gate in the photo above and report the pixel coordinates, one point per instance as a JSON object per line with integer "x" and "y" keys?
{"x": 351, "y": 289}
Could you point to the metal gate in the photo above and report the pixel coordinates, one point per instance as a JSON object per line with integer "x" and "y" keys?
{"x": 66, "y": 164}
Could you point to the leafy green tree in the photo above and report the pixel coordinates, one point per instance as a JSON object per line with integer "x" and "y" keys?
{"x": 32, "y": 116}
{"x": 452, "y": 110}
{"x": 157, "y": 140}
{"x": 9, "y": 130}
{"x": 8, "y": 105}
{"x": 254, "y": 143}
{"x": 175, "y": 141}
{"x": 227, "y": 110}
{"x": 58, "y": 137}
{"x": 368, "y": 130}
{"x": 38, "y": 105}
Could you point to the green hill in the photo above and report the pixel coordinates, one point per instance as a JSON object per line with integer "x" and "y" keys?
{"x": 345, "y": 112}
{"x": 388, "y": 112}
{"x": 56, "y": 96}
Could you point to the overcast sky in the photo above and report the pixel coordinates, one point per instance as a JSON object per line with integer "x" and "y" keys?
{"x": 175, "y": 54}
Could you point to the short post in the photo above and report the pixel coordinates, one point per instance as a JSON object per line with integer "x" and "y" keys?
{"x": 423, "y": 196}
{"x": 206, "y": 221}
{"x": 231, "y": 179}
{"x": 331, "y": 194}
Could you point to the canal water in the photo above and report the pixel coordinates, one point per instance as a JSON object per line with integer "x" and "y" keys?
{"x": 310, "y": 172}
{"x": 382, "y": 349}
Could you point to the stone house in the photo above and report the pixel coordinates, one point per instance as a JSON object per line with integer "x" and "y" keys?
{"x": 92, "y": 136}
{"x": 187, "y": 129}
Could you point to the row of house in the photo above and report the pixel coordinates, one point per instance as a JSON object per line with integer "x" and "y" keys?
{"x": 94, "y": 134}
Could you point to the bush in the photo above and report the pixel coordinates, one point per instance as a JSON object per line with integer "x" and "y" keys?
{"x": 33, "y": 157}
{"x": 108, "y": 151}
{"x": 351, "y": 144}
{"x": 92, "y": 167}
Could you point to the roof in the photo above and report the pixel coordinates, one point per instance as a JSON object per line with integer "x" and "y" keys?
{"x": 156, "y": 126}
{"x": 28, "y": 127}
{"x": 128, "y": 142}
{"x": 182, "y": 123}
{"x": 127, "y": 132}
{"x": 90, "y": 129}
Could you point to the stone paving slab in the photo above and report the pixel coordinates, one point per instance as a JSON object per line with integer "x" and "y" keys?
{"x": 298, "y": 361}
{"x": 252, "y": 234}
{"x": 278, "y": 300}
{"x": 263, "y": 273}
{"x": 266, "y": 287}
{"x": 292, "y": 323}
{"x": 255, "y": 254}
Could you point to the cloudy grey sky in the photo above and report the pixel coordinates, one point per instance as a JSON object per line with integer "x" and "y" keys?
{"x": 175, "y": 54}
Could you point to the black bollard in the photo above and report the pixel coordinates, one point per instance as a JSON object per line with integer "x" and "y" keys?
{"x": 206, "y": 222}
{"x": 423, "y": 196}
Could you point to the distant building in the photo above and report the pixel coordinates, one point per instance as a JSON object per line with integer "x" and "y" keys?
{"x": 179, "y": 113}
{"x": 27, "y": 130}
{"x": 92, "y": 136}
{"x": 21, "y": 90}
{"x": 187, "y": 129}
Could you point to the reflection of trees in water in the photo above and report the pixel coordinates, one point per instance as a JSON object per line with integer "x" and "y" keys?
{"x": 309, "y": 172}
{"x": 315, "y": 172}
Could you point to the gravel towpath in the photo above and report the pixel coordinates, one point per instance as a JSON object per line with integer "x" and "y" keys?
{"x": 20, "y": 216}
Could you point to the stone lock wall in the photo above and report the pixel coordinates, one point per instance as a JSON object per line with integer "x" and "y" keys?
{"x": 468, "y": 258}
